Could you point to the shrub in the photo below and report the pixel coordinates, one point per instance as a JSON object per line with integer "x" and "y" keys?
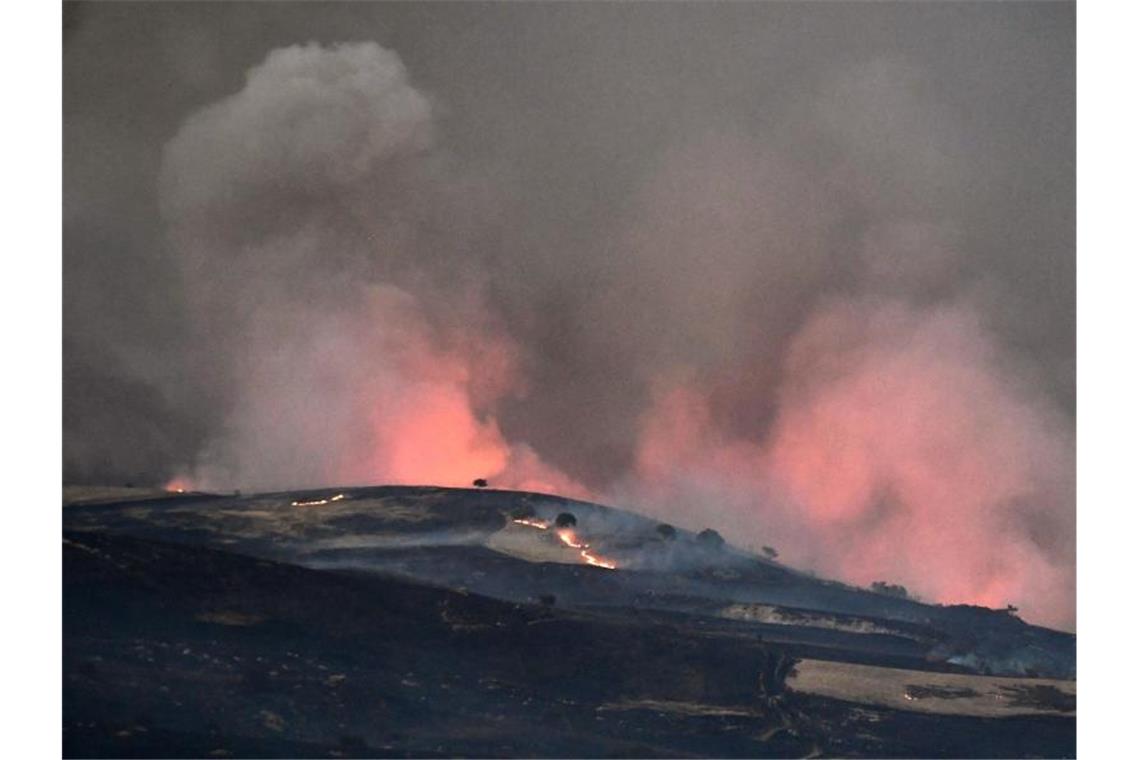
{"x": 565, "y": 520}
{"x": 667, "y": 531}
{"x": 710, "y": 538}
{"x": 889, "y": 589}
{"x": 769, "y": 552}
{"x": 479, "y": 482}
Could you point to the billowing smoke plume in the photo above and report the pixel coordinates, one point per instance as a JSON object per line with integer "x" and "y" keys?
{"x": 902, "y": 451}
{"x": 802, "y": 274}
{"x": 298, "y": 207}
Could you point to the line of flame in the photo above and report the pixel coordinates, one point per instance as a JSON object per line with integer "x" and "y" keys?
{"x": 540, "y": 524}
{"x": 318, "y": 502}
{"x": 570, "y": 539}
{"x": 567, "y": 536}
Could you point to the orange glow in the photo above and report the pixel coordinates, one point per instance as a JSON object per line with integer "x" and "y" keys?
{"x": 178, "y": 484}
{"x": 570, "y": 538}
{"x": 318, "y": 502}
{"x": 424, "y": 409}
{"x": 901, "y": 452}
{"x": 533, "y": 523}
{"x": 596, "y": 561}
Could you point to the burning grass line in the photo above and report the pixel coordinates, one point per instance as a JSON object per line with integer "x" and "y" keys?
{"x": 540, "y": 524}
{"x": 570, "y": 539}
{"x": 319, "y": 502}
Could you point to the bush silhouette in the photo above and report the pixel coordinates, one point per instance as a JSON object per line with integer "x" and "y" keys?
{"x": 890, "y": 589}
{"x": 565, "y": 520}
{"x": 479, "y": 482}
{"x": 667, "y": 531}
{"x": 710, "y": 538}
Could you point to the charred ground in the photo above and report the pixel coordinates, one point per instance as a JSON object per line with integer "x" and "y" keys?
{"x": 204, "y": 626}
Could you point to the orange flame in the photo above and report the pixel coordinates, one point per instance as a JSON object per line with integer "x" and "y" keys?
{"x": 540, "y": 524}
{"x": 177, "y": 484}
{"x": 568, "y": 537}
{"x": 318, "y": 502}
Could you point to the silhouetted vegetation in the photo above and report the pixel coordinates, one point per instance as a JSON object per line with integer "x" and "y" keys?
{"x": 710, "y": 538}
{"x": 769, "y": 552}
{"x": 667, "y": 531}
{"x": 522, "y": 512}
{"x": 479, "y": 482}
{"x": 565, "y": 520}
{"x": 890, "y": 589}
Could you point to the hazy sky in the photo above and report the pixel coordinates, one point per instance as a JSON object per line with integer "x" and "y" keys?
{"x": 802, "y": 269}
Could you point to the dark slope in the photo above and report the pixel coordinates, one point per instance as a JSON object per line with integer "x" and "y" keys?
{"x": 437, "y": 535}
{"x": 182, "y": 650}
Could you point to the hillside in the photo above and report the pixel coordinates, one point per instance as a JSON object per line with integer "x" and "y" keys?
{"x": 431, "y": 621}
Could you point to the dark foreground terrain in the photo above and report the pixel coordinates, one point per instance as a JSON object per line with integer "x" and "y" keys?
{"x": 393, "y": 622}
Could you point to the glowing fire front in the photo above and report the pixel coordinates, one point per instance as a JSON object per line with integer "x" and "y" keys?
{"x": 177, "y": 485}
{"x": 569, "y": 538}
{"x": 318, "y": 502}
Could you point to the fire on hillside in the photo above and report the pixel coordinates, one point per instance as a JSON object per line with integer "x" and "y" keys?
{"x": 570, "y": 539}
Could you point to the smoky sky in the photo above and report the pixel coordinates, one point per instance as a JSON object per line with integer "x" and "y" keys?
{"x": 802, "y": 269}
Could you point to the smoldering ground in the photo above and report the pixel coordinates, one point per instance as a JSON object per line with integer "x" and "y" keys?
{"x": 801, "y": 273}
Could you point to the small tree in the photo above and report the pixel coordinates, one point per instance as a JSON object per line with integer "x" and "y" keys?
{"x": 769, "y": 552}
{"x": 479, "y": 482}
{"x": 710, "y": 538}
{"x": 890, "y": 589}
{"x": 667, "y": 531}
{"x": 565, "y": 520}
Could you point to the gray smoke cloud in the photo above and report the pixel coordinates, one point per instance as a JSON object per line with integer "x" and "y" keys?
{"x": 308, "y": 212}
{"x": 800, "y": 273}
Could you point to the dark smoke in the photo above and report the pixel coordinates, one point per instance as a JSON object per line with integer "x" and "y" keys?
{"x": 802, "y": 273}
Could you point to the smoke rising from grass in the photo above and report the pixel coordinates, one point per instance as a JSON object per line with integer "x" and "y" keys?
{"x": 799, "y": 274}
{"x": 294, "y": 206}
{"x": 902, "y": 450}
